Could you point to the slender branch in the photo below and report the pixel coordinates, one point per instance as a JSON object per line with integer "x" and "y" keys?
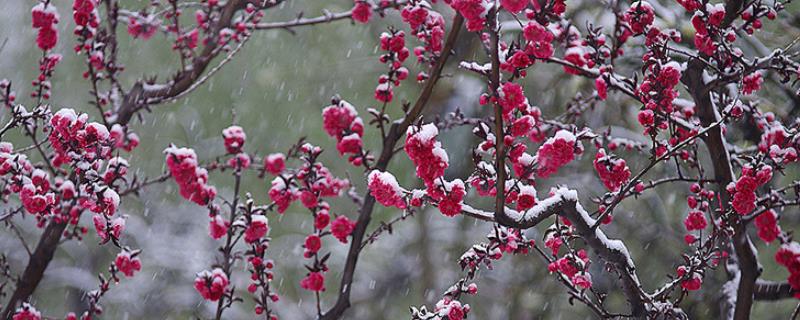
{"x": 325, "y": 18}
{"x": 396, "y": 132}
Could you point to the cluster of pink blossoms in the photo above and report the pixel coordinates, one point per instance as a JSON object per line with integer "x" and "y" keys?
{"x": 26, "y": 312}
{"x": 284, "y": 189}
{"x": 556, "y": 152}
{"x": 384, "y": 187}
{"x": 212, "y": 285}
{"x": 657, "y": 92}
{"x": 394, "y": 42}
{"x": 429, "y": 158}
{"x": 428, "y": 26}
{"x": 574, "y": 267}
{"x": 789, "y": 256}
{"x": 613, "y": 171}
{"x": 776, "y": 141}
{"x": 341, "y": 121}
{"x": 707, "y": 25}
{"x": 191, "y": 178}
{"x": 539, "y": 40}
{"x": 44, "y": 18}
{"x": 75, "y": 140}
{"x": 234, "y": 139}
{"x": 744, "y": 190}
{"x": 693, "y": 281}
{"x": 752, "y": 83}
{"x": 142, "y": 27}
{"x": 84, "y": 12}
{"x": 640, "y": 16}
{"x": 474, "y": 12}
{"x": 767, "y": 226}
{"x": 128, "y": 263}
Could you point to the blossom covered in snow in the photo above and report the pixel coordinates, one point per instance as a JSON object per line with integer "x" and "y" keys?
{"x": 191, "y": 178}
{"x": 613, "y": 171}
{"x": 555, "y": 153}
{"x": 211, "y": 284}
{"x": 384, "y": 187}
{"x": 426, "y": 153}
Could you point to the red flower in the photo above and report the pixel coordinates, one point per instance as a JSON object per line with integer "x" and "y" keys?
{"x": 211, "y": 284}
{"x": 341, "y": 228}
{"x": 127, "y": 264}
{"x": 314, "y": 281}
{"x": 312, "y": 245}
{"x": 362, "y": 11}
{"x": 257, "y": 229}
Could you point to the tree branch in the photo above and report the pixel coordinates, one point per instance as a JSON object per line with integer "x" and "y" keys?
{"x": 396, "y": 132}
{"x": 37, "y": 264}
{"x": 723, "y": 173}
{"x": 565, "y": 203}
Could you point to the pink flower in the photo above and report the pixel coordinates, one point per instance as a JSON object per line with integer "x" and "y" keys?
{"x": 696, "y": 220}
{"x": 217, "y": 227}
{"x": 27, "y": 312}
{"x": 384, "y": 187}
{"x": 767, "y": 226}
{"x": 555, "y": 153}
{"x": 450, "y": 196}
{"x": 640, "y": 16}
{"x": 275, "y": 163}
{"x": 583, "y": 280}
{"x": 526, "y": 198}
{"x": 514, "y": 6}
{"x": 314, "y": 281}
{"x": 142, "y": 28}
{"x": 427, "y": 154}
{"x": 511, "y": 97}
{"x": 257, "y": 229}
{"x": 234, "y": 137}
{"x": 535, "y": 32}
{"x": 281, "y": 194}
{"x": 602, "y": 88}
{"x": 716, "y": 13}
{"x": 44, "y": 16}
{"x": 308, "y": 199}
{"x": 752, "y": 83}
{"x": 614, "y": 172}
{"x": 523, "y": 126}
{"x": 362, "y": 11}
{"x": 47, "y": 38}
{"x": 322, "y": 219}
{"x": 191, "y": 179}
{"x": 312, "y": 245}
{"x": 341, "y": 228}
{"x": 474, "y": 11}
{"x": 349, "y": 144}
{"x": 211, "y": 285}
{"x": 127, "y": 264}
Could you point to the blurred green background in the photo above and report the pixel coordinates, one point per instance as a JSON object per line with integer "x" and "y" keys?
{"x": 277, "y": 86}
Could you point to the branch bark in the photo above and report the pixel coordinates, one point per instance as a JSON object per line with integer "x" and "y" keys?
{"x": 565, "y": 203}
{"x": 37, "y": 264}
{"x": 723, "y": 174}
{"x": 396, "y": 132}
